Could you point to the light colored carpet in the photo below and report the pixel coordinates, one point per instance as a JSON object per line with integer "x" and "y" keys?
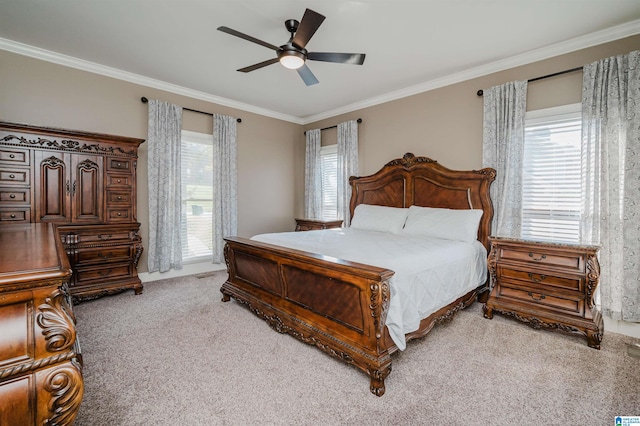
{"x": 177, "y": 355}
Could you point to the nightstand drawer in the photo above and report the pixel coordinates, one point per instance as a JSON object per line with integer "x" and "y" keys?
{"x": 541, "y": 298}
{"x": 570, "y": 283}
{"x": 565, "y": 260}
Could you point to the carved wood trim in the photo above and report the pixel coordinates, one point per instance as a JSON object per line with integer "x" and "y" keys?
{"x": 35, "y": 365}
{"x": 66, "y": 388}
{"x": 56, "y": 324}
{"x": 67, "y": 145}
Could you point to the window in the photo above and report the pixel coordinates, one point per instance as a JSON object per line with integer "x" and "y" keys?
{"x": 551, "y": 181}
{"x": 329, "y": 166}
{"x": 197, "y": 196}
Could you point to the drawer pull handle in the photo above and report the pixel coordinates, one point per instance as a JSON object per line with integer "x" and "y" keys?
{"x": 104, "y": 237}
{"x": 119, "y": 180}
{"x": 105, "y": 256}
{"x": 119, "y": 213}
{"x": 13, "y": 216}
{"x": 12, "y": 156}
{"x": 119, "y": 197}
{"x": 12, "y": 196}
{"x": 542, "y": 277}
{"x": 12, "y": 176}
{"x": 105, "y": 273}
{"x": 534, "y": 297}
{"x": 537, "y": 259}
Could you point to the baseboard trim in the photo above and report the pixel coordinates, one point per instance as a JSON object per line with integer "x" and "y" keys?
{"x": 189, "y": 269}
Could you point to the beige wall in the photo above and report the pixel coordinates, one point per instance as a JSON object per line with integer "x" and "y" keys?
{"x": 46, "y": 94}
{"x": 444, "y": 124}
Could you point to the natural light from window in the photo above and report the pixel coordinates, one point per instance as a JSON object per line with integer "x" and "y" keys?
{"x": 197, "y": 196}
{"x": 552, "y": 179}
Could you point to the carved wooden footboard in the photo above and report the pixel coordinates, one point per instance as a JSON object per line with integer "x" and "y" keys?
{"x": 341, "y": 306}
{"x": 336, "y": 305}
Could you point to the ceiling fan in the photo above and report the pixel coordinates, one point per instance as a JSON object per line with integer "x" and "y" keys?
{"x": 293, "y": 54}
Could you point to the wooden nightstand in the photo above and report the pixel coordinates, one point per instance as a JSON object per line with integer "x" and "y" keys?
{"x": 314, "y": 224}
{"x": 546, "y": 285}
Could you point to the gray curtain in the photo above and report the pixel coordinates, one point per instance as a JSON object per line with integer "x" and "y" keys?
{"x": 502, "y": 149}
{"x": 611, "y": 166}
{"x": 347, "y": 166}
{"x": 165, "y": 202}
{"x": 225, "y": 186}
{"x": 312, "y": 175}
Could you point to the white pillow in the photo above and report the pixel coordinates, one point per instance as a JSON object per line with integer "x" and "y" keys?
{"x": 448, "y": 224}
{"x": 379, "y": 218}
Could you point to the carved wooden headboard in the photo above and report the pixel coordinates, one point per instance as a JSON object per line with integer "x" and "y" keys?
{"x": 421, "y": 181}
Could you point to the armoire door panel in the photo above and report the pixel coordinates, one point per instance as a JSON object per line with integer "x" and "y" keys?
{"x": 87, "y": 189}
{"x": 53, "y": 186}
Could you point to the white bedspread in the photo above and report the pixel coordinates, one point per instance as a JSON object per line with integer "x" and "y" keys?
{"x": 429, "y": 272}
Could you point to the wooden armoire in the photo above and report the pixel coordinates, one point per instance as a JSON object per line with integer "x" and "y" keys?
{"x": 85, "y": 183}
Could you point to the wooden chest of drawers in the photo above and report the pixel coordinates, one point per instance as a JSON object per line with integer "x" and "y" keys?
{"x": 546, "y": 285}
{"x": 40, "y": 363}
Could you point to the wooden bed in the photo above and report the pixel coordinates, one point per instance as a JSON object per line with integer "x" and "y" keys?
{"x": 288, "y": 288}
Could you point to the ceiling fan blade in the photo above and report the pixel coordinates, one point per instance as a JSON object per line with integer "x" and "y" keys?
{"x": 307, "y": 76}
{"x": 342, "y": 58}
{"x": 307, "y": 28}
{"x": 247, "y": 37}
{"x": 259, "y": 65}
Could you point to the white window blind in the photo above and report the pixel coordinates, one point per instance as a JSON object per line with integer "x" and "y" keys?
{"x": 197, "y": 196}
{"x": 329, "y": 165}
{"x": 551, "y": 182}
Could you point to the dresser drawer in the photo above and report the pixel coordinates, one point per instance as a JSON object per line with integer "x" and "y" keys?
{"x": 540, "y": 256}
{"x": 15, "y": 215}
{"x": 119, "y": 214}
{"x": 15, "y": 156}
{"x": 542, "y": 297}
{"x": 86, "y": 275}
{"x": 115, "y": 198}
{"x": 15, "y": 195}
{"x": 91, "y": 236}
{"x": 14, "y": 176}
{"x": 570, "y": 283}
{"x": 121, "y": 164}
{"x": 118, "y": 180}
{"x": 103, "y": 255}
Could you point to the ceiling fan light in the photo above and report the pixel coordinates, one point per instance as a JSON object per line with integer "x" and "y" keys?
{"x": 291, "y": 60}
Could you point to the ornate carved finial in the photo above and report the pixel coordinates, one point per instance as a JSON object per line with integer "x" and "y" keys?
{"x": 409, "y": 160}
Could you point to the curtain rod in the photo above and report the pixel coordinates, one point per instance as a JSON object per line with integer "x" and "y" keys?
{"x": 145, "y": 100}
{"x": 359, "y": 120}
{"x": 480, "y": 92}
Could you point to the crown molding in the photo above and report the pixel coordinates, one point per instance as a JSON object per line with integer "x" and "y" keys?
{"x": 70, "y": 61}
{"x": 568, "y": 46}
{"x": 561, "y": 48}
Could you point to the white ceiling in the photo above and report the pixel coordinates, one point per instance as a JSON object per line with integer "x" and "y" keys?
{"x": 411, "y": 45}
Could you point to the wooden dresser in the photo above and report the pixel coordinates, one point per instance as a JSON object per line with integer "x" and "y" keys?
{"x": 546, "y": 285}
{"x": 85, "y": 183}
{"x": 40, "y": 364}
{"x": 315, "y": 224}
